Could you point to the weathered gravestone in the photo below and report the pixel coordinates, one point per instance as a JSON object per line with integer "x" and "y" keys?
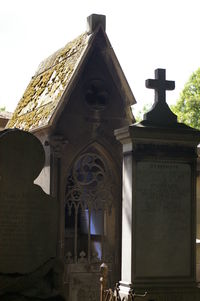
{"x": 159, "y": 200}
{"x": 28, "y": 223}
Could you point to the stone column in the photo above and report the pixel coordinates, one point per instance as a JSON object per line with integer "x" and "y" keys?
{"x": 158, "y": 215}
{"x": 159, "y": 206}
{"x": 58, "y": 149}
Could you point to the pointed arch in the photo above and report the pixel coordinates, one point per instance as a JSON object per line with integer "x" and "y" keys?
{"x": 90, "y": 195}
{"x": 97, "y": 147}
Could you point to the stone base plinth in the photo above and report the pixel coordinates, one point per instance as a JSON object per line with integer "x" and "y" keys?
{"x": 170, "y": 294}
{"x": 150, "y": 293}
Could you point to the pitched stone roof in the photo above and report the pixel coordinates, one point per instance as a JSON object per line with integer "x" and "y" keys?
{"x": 43, "y": 96}
{"x": 43, "y": 93}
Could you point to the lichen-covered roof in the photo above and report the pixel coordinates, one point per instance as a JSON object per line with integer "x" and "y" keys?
{"x": 43, "y": 93}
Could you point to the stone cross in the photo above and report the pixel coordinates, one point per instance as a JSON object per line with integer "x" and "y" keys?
{"x": 160, "y": 84}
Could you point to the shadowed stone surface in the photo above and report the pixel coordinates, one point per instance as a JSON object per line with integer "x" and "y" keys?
{"x": 159, "y": 203}
{"x": 28, "y": 221}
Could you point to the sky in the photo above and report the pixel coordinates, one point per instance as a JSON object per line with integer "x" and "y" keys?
{"x": 145, "y": 35}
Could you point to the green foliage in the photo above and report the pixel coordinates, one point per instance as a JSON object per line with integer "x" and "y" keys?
{"x": 187, "y": 107}
{"x": 2, "y": 109}
{"x": 140, "y": 114}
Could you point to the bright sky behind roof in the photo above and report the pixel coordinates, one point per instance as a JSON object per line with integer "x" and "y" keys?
{"x": 145, "y": 35}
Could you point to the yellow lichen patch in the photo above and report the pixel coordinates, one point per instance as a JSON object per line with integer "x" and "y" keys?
{"x": 70, "y": 49}
{"x": 46, "y": 88}
{"x": 34, "y": 118}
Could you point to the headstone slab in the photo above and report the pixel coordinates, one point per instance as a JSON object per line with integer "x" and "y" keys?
{"x": 28, "y": 216}
{"x": 165, "y": 202}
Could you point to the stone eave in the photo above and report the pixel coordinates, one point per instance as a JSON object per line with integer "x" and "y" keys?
{"x": 177, "y": 135}
{"x": 126, "y": 91}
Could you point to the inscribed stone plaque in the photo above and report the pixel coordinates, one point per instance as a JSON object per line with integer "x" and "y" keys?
{"x": 162, "y": 221}
{"x": 28, "y": 216}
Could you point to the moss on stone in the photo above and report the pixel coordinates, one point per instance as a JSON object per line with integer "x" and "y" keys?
{"x": 45, "y": 90}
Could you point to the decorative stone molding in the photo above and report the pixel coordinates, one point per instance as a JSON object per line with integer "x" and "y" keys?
{"x": 58, "y": 144}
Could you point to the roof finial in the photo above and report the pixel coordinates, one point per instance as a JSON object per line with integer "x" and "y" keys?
{"x": 94, "y": 20}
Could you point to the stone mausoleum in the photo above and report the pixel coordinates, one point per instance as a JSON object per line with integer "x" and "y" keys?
{"x": 74, "y": 102}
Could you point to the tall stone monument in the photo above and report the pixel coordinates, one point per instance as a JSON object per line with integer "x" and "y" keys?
{"x": 159, "y": 202}
{"x": 29, "y": 269}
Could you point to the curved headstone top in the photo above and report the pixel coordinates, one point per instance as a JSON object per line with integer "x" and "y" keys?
{"x": 28, "y": 216}
{"x": 22, "y": 156}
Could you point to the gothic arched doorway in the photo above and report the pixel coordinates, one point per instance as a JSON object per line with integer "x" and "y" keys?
{"x": 92, "y": 206}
